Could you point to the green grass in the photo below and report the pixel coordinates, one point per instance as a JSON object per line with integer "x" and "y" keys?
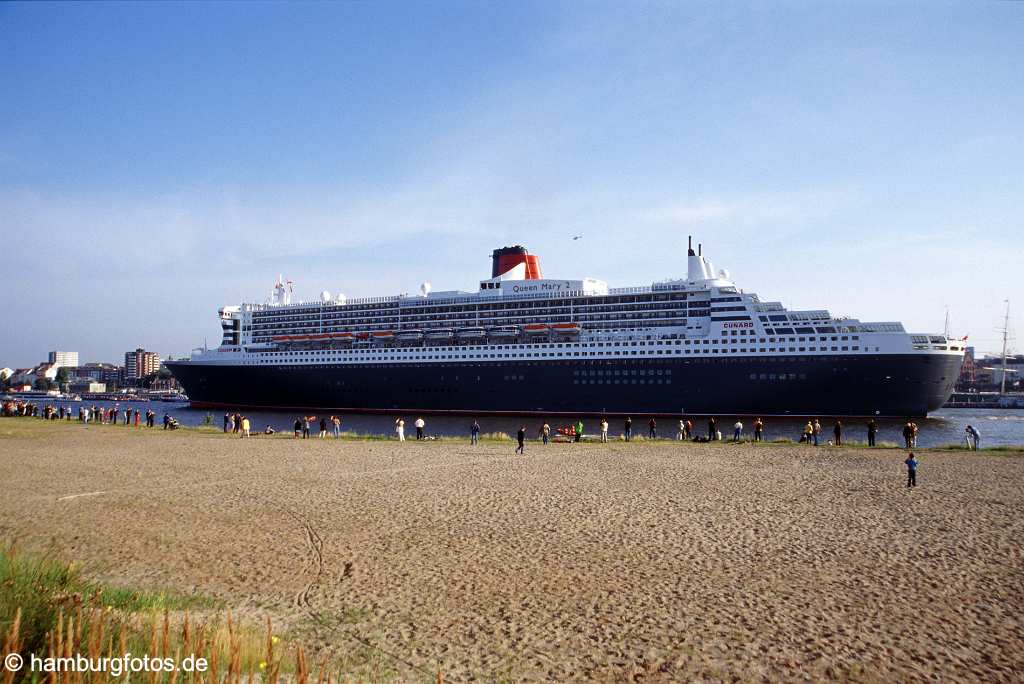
{"x": 46, "y": 602}
{"x": 43, "y": 586}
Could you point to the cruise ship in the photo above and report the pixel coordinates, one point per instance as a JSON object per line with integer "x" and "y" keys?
{"x": 524, "y": 344}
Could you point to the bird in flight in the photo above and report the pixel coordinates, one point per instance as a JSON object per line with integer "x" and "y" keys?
{"x": 576, "y": 237}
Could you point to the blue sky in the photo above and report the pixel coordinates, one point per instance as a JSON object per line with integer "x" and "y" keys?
{"x": 160, "y": 160}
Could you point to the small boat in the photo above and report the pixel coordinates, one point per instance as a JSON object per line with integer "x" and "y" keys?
{"x": 440, "y": 334}
{"x": 471, "y": 333}
{"x": 409, "y": 335}
{"x": 566, "y": 328}
{"x": 537, "y": 329}
{"x": 383, "y": 335}
{"x": 503, "y": 331}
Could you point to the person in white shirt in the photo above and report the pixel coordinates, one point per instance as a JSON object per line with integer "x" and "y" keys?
{"x": 400, "y": 429}
{"x": 737, "y": 431}
{"x": 604, "y": 430}
{"x": 420, "y": 423}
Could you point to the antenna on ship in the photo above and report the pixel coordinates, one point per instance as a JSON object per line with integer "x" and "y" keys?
{"x": 946, "y": 329}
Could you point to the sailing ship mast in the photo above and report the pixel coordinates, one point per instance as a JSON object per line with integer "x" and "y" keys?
{"x": 1006, "y": 332}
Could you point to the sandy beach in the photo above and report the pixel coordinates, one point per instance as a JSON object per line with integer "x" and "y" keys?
{"x": 661, "y": 562}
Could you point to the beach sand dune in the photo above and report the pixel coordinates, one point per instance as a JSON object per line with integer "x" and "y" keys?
{"x": 576, "y": 562}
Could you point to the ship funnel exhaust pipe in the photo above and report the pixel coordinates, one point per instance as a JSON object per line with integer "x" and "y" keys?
{"x": 698, "y": 249}
{"x": 506, "y": 258}
{"x": 689, "y": 245}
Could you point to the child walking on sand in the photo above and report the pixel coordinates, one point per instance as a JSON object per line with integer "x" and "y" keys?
{"x": 911, "y": 470}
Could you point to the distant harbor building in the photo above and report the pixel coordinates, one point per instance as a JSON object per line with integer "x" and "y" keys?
{"x": 105, "y": 373}
{"x": 63, "y": 358}
{"x": 87, "y": 387}
{"x": 140, "y": 363}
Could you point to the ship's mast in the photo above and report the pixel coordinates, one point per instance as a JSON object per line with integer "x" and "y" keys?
{"x": 946, "y": 329}
{"x": 1006, "y": 331}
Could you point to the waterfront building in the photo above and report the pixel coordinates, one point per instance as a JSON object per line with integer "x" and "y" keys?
{"x": 63, "y": 358}
{"x": 140, "y": 363}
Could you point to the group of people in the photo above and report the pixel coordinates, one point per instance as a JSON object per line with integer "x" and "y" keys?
{"x": 103, "y": 415}
{"x": 812, "y": 432}
{"x": 420, "y": 426}
{"x": 303, "y": 427}
{"x": 236, "y": 423}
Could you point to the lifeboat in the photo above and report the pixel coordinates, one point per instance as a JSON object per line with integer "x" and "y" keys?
{"x": 504, "y": 331}
{"x": 362, "y": 335}
{"x": 409, "y": 335}
{"x": 440, "y": 334}
{"x": 471, "y": 333}
{"x": 343, "y": 336}
{"x": 537, "y": 329}
{"x": 383, "y": 335}
{"x": 566, "y": 328}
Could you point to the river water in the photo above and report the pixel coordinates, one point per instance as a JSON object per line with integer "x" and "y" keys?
{"x": 946, "y": 426}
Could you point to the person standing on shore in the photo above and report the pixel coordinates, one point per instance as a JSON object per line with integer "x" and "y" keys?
{"x": 323, "y": 428}
{"x": 872, "y": 431}
{"x": 808, "y": 433}
{"x": 688, "y": 429}
{"x": 737, "y": 431}
{"x": 521, "y": 439}
{"x": 652, "y": 429}
{"x": 137, "y": 416}
{"x": 604, "y": 431}
{"x": 578, "y": 429}
{"x": 420, "y": 424}
{"x": 712, "y": 428}
{"x": 908, "y": 435}
{"x": 680, "y": 433}
{"x": 474, "y": 433}
{"x": 297, "y": 430}
{"x": 911, "y": 470}
{"x": 245, "y": 427}
{"x": 127, "y": 416}
{"x": 758, "y": 430}
{"x": 837, "y": 432}
{"x": 627, "y": 429}
{"x": 545, "y": 433}
{"x": 336, "y": 426}
{"x": 400, "y": 429}
{"x": 817, "y": 431}
{"x": 227, "y": 419}
{"x": 305, "y": 426}
{"x": 913, "y": 430}
{"x": 973, "y": 437}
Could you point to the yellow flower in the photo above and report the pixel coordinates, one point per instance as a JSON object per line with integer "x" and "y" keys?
{"x": 274, "y": 639}
{"x": 263, "y": 665}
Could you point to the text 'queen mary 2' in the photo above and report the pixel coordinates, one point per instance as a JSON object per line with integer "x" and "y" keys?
{"x": 525, "y": 344}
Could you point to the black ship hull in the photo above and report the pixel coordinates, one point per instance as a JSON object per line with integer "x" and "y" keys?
{"x": 853, "y": 385}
